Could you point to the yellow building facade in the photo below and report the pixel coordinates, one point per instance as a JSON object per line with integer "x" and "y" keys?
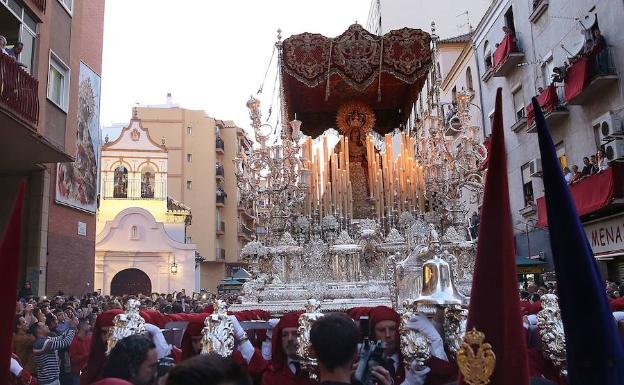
{"x": 141, "y": 244}
{"x": 201, "y": 176}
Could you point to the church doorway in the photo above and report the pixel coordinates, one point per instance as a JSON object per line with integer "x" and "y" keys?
{"x": 131, "y": 281}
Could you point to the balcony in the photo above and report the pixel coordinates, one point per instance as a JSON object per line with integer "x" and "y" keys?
{"x": 18, "y": 90}
{"x": 554, "y": 111}
{"x": 221, "y": 195}
{"x": 246, "y": 209}
{"x": 220, "y": 171}
{"x": 539, "y": 8}
{"x": 587, "y": 78}
{"x": 220, "y": 254}
{"x": 220, "y": 228}
{"x": 245, "y": 232}
{"x": 507, "y": 57}
{"x": 595, "y": 196}
{"x": 220, "y": 145}
{"x": 133, "y": 188}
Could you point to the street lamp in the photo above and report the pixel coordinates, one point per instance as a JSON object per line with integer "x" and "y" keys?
{"x": 174, "y": 267}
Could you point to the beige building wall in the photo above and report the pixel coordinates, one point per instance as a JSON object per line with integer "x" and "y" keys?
{"x": 190, "y": 137}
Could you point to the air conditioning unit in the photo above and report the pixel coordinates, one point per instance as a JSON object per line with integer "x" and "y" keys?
{"x": 535, "y": 168}
{"x": 609, "y": 127}
{"x": 614, "y": 150}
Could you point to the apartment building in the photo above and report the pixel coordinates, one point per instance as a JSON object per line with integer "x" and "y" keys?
{"x": 452, "y": 17}
{"x": 49, "y": 114}
{"x": 583, "y": 107}
{"x": 201, "y": 150}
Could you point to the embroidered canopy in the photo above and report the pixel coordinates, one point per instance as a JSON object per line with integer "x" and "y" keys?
{"x": 387, "y": 72}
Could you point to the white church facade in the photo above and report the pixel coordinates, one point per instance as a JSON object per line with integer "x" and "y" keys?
{"x": 141, "y": 232}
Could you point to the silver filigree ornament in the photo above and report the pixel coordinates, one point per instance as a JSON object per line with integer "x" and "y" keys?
{"x": 414, "y": 345}
{"x": 126, "y": 324}
{"x": 218, "y": 332}
{"x": 455, "y": 319}
{"x": 550, "y": 328}
{"x": 306, "y": 320}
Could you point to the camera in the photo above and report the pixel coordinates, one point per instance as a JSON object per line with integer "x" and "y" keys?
{"x": 371, "y": 355}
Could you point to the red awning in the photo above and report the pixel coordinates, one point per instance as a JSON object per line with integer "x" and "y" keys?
{"x": 506, "y": 47}
{"x": 576, "y": 78}
{"x": 548, "y": 99}
{"x": 590, "y": 194}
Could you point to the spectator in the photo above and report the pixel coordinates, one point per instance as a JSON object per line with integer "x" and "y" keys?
{"x": 576, "y": 175}
{"x": 45, "y": 349}
{"x": 23, "y": 344}
{"x": 3, "y": 48}
{"x": 567, "y": 175}
{"x": 334, "y": 340}
{"x": 599, "y": 49}
{"x": 558, "y": 75}
{"x": 79, "y": 351}
{"x": 26, "y": 290}
{"x": 594, "y": 163}
{"x": 133, "y": 359}
{"x": 208, "y": 370}
{"x": 14, "y": 53}
{"x": 588, "y": 168}
{"x": 474, "y": 225}
{"x": 602, "y": 161}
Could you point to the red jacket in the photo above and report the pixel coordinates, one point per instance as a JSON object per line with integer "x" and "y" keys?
{"x": 79, "y": 353}
{"x": 285, "y": 376}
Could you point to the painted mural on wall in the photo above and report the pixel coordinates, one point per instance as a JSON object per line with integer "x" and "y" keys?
{"x": 76, "y": 183}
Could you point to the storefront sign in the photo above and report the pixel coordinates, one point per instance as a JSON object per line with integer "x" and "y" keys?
{"x": 607, "y": 235}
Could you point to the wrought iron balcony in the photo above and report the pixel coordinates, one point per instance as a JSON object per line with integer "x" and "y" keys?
{"x": 220, "y": 228}
{"x": 220, "y": 171}
{"x": 221, "y": 195}
{"x": 18, "y": 90}
{"x": 220, "y": 254}
{"x": 220, "y": 145}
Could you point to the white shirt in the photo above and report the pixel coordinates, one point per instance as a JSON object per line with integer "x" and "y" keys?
{"x": 292, "y": 367}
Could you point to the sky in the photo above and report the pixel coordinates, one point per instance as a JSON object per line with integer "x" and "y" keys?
{"x": 211, "y": 54}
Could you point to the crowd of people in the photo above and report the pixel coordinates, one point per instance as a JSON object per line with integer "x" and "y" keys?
{"x": 595, "y": 49}
{"x": 62, "y": 341}
{"x": 593, "y": 164}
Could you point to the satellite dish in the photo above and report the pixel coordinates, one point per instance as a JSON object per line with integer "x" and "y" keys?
{"x": 574, "y": 45}
{"x": 588, "y": 20}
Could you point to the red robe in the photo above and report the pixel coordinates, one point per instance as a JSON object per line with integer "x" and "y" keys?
{"x": 285, "y": 376}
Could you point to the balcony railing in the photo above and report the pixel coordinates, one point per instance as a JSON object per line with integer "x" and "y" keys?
{"x": 507, "y": 56}
{"x": 220, "y": 170}
{"x": 550, "y": 102}
{"x": 220, "y": 227}
{"x": 245, "y": 231}
{"x": 221, "y": 195}
{"x": 592, "y": 195}
{"x": 589, "y": 75}
{"x": 219, "y": 144}
{"x": 133, "y": 189}
{"x": 220, "y": 255}
{"x": 18, "y": 90}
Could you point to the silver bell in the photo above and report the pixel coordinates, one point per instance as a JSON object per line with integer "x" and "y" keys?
{"x": 437, "y": 286}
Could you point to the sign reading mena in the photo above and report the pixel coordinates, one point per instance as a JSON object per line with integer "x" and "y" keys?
{"x": 606, "y": 236}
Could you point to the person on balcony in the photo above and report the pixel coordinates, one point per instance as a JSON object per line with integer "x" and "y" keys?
{"x": 3, "y": 48}
{"x": 588, "y": 168}
{"x": 567, "y": 175}
{"x": 603, "y": 162}
{"x": 15, "y": 51}
{"x": 594, "y": 163}
{"x": 576, "y": 175}
{"x": 558, "y": 75}
{"x": 599, "y": 49}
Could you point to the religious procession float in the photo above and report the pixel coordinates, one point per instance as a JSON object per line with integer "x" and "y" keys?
{"x": 359, "y": 199}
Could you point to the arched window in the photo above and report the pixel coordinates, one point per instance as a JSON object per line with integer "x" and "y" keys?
{"x": 120, "y": 183}
{"x": 148, "y": 181}
{"x": 487, "y": 55}
{"x": 469, "y": 79}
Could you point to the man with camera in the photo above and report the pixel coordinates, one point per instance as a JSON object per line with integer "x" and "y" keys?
{"x": 334, "y": 340}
